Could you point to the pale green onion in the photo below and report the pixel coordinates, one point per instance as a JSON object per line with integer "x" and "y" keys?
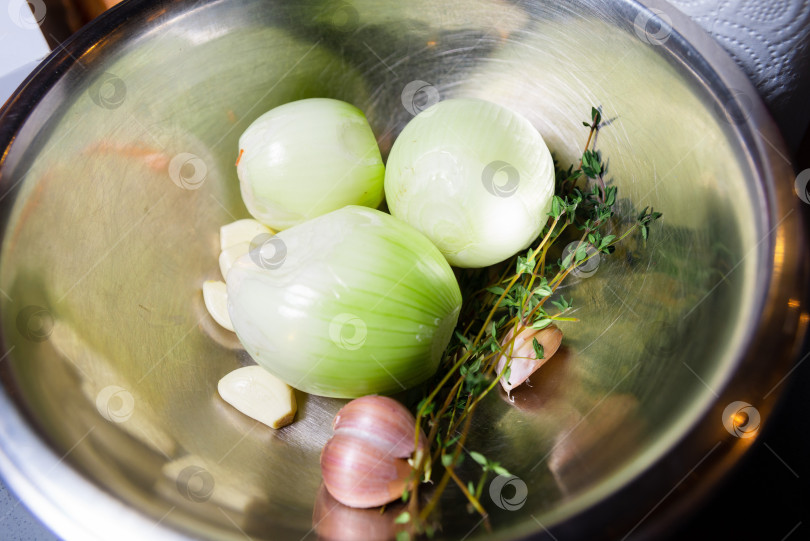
{"x": 476, "y": 178}
{"x": 351, "y": 303}
{"x": 306, "y": 158}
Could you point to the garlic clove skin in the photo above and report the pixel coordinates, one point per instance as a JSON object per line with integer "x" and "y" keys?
{"x": 229, "y": 256}
{"x": 384, "y": 419}
{"x": 360, "y": 474}
{"x": 365, "y": 464}
{"x": 215, "y": 297}
{"x": 260, "y": 395}
{"x": 524, "y": 361}
{"x": 241, "y": 231}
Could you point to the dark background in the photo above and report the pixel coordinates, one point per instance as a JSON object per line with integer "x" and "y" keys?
{"x": 767, "y": 496}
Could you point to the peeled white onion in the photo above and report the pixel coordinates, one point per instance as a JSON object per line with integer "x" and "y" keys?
{"x": 476, "y": 178}
{"x": 306, "y": 158}
{"x": 352, "y": 303}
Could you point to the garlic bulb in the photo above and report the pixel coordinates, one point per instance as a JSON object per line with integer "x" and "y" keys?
{"x": 524, "y": 359}
{"x": 365, "y": 464}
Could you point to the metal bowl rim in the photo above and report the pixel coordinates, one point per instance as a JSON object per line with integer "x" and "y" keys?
{"x": 22, "y": 449}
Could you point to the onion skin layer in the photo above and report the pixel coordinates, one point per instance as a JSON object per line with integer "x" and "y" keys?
{"x": 306, "y": 158}
{"x": 352, "y": 303}
{"x": 476, "y": 178}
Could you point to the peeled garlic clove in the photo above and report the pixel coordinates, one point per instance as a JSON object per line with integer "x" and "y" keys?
{"x": 524, "y": 360}
{"x": 365, "y": 464}
{"x": 241, "y": 231}
{"x": 260, "y": 395}
{"x": 215, "y": 296}
{"x": 230, "y": 255}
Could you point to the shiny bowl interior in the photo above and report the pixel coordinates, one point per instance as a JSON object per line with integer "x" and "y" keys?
{"x": 117, "y": 171}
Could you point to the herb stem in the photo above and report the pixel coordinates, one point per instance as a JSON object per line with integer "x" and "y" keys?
{"x": 492, "y": 385}
{"x": 471, "y": 497}
{"x": 509, "y": 304}
{"x": 446, "y": 477}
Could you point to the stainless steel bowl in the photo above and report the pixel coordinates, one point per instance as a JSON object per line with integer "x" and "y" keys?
{"x": 117, "y": 170}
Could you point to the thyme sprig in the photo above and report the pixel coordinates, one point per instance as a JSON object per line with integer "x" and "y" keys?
{"x": 520, "y": 293}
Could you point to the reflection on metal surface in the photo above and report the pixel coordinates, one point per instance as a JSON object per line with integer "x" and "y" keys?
{"x": 103, "y": 386}
{"x": 196, "y": 480}
{"x": 110, "y": 241}
{"x": 333, "y": 521}
{"x": 582, "y": 451}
